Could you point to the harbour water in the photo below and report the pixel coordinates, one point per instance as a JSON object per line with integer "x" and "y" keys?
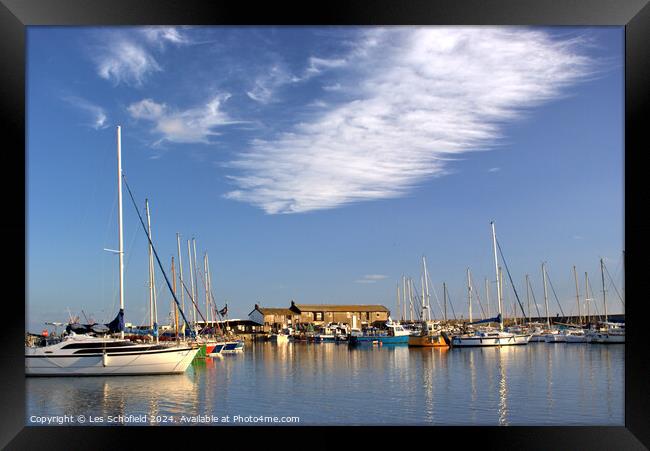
{"x": 334, "y": 384}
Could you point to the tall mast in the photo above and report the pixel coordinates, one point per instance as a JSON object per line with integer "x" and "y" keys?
{"x": 398, "y": 306}
{"x": 196, "y": 279}
{"x": 424, "y": 306}
{"x": 496, "y": 268}
{"x": 212, "y": 303}
{"x": 548, "y": 320}
{"x": 205, "y": 271}
{"x": 503, "y": 316}
{"x": 119, "y": 218}
{"x": 587, "y": 299}
{"x": 411, "y": 298}
{"x": 602, "y": 274}
{"x": 180, "y": 269}
{"x": 189, "y": 259}
{"x": 174, "y": 307}
{"x": 444, "y": 295}
{"x": 469, "y": 295}
{"x": 528, "y": 298}
{"x": 575, "y": 276}
{"x": 487, "y": 295}
{"x": 153, "y": 312}
{"x": 404, "y": 296}
{"x": 426, "y": 288}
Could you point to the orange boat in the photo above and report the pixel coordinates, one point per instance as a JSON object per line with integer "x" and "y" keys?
{"x": 431, "y": 340}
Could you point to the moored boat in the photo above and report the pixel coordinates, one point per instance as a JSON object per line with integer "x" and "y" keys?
{"x": 575, "y": 336}
{"x": 95, "y": 351}
{"x": 489, "y": 338}
{"x": 393, "y": 334}
{"x": 555, "y": 336}
{"x": 234, "y": 346}
{"x": 608, "y": 333}
{"x": 429, "y": 337}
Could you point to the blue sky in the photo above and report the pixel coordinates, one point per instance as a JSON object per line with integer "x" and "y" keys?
{"x": 320, "y": 164}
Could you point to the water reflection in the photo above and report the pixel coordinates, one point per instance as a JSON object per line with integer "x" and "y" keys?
{"x": 503, "y": 388}
{"x": 330, "y": 383}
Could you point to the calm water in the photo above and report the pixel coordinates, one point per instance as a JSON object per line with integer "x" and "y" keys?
{"x": 328, "y": 384}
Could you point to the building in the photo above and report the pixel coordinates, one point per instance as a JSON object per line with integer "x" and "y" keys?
{"x": 353, "y": 315}
{"x": 271, "y": 319}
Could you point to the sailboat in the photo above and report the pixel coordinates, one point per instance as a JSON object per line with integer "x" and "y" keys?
{"x": 89, "y": 350}
{"x": 491, "y": 337}
{"x": 551, "y": 334}
{"x": 576, "y": 334}
{"x": 608, "y": 332}
{"x": 431, "y": 332}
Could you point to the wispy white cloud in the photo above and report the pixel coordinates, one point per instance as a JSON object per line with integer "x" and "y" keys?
{"x": 193, "y": 125}
{"x": 371, "y": 278}
{"x": 317, "y": 65}
{"x": 277, "y": 76}
{"x": 494, "y": 169}
{"x": 265, "y": 85}
{"x": 126, "y": 56}
{"x": 98, "y": 113}
{"x": 125, "y": 61}
{"x": 161, "y": 35}
{"x": 334, "y": 87}
{"x": 415, "y": 97}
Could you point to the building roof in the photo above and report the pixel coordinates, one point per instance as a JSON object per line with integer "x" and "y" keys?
{"x": 339, "y": 308}
{"x": 272, "y": 310}
{"x": 275, "y": 311}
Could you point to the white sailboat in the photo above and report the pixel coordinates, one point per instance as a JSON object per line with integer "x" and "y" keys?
{"x": 491, "y": 337}
{"x": 607, "y": 332}
{"x": 95, "y": 353}
{"x": 551, "y": 335}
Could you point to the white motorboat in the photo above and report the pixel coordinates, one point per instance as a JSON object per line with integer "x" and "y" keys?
{"x": 608, "y": 333}
{"x": 85, "y": 355}
{"x": 554, "y": 336}
{"x": 575, "y": 336}
{"x": 489, "y": 338}
{"x": 94, "y": 352}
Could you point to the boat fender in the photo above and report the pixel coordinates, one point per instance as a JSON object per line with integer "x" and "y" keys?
{"x": 105, "y": 359}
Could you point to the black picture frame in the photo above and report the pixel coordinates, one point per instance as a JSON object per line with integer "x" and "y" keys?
{"x": 15, "y": 15}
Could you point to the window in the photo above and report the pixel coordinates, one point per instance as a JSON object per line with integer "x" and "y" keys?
{"x": 318, "y": 316}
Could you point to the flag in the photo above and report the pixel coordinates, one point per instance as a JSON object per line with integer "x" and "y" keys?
{"x": 224, "y": 311}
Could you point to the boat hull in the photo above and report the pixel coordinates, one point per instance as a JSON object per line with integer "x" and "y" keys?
{"x": 477, "y": 341}
{"x": 162, "y": 361}
{"x": 555, "y": 338}
{"x": 369, "y": 339}
{"x": 607, "y": 339}
{"x": 232, "y": 347}
{"x": 576, "y": 339}
{"x": 218, "y": 347}
{"x": 431, "y": 341}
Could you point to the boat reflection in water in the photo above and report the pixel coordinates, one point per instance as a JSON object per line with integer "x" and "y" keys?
{"x": 330, "y": 384}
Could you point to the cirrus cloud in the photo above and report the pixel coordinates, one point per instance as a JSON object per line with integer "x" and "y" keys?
{"x": 126, "y": 56}
{"x": 192, "y": 125}
{"x": 414, "y": 98}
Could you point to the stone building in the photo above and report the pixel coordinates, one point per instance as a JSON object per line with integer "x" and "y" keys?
{"x": 271, "y": 319}
{"x": 353, "y": 315}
